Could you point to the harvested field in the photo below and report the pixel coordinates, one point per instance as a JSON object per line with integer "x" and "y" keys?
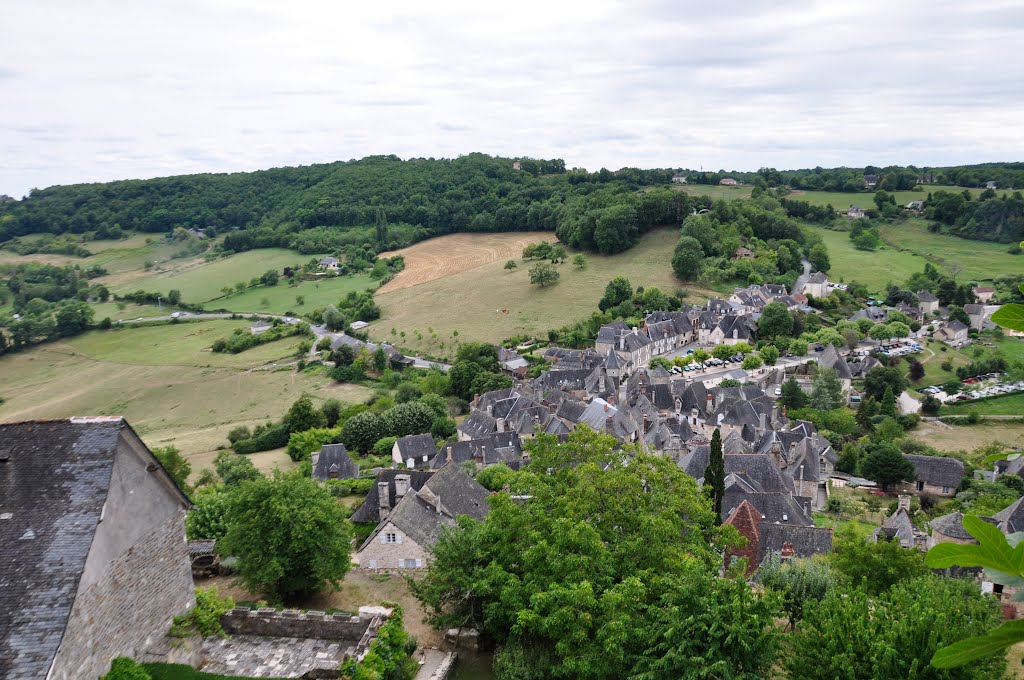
{"x": 447, "y": 255}
{"x": 970, "y": 437}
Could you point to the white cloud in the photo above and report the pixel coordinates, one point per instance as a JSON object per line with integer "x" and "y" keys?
{"x": 106, "y": 90}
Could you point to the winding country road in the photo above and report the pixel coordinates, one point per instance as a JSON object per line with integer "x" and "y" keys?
{"x": 319, "y": 331}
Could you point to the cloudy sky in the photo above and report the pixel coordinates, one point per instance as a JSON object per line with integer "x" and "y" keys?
{"x": 109, "y": 89}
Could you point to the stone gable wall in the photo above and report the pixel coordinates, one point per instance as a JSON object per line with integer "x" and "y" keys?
{"x": 377, "y": 555}
{"x": 131, "y": 607}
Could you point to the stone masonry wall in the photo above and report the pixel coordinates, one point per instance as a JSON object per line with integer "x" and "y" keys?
{"x": 377, "y": 555}
{"x": 130, "y": 606}
{"x": 294, "y": 624}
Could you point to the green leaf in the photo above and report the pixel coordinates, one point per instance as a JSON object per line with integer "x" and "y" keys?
{"x": 992, "y": 552}
{"x": 995, "y": 457}
{"x": 1010, "y": 316}
{"x": 975, "y": 648}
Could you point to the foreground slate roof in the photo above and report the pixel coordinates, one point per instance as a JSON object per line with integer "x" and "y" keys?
{"x": 54, "y": 479}
{"x": 938, "y": 470}
{"x": 369, "y": 511}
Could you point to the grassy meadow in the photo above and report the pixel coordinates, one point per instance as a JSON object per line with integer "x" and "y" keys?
{"x": 488, "y": 303}
{"x": 282, "y": 298}
{"x": 715, "y": 191}
{"x": 842, "y": 200}
{"x": 974, "y": 260}
{"x": 201, "y": 281}
{"x": 872, "y": 268}
{"x": 970, "y": 437}
{"x": 166, "y": 382}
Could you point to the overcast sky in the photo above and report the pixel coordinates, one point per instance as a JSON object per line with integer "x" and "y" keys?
{"x": 105, "y": 89}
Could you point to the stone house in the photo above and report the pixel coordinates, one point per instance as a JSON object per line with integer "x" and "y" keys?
{"x": 333, "y": 462}
{"x": 977, "y": 315}
{"x": 766, "y": 538}
{"x": 899, "y": 527}
{"x": 679, "y": 178}
{"x": 955, "y": 333}
{"x": 816, "y": 286}
{"x": 385, "y": 494}
{"x": 743, "y": 254}
{"x": 927, "y": 302}
{"x": 498, "y": 448}
{"x": 984, "y": 293}
{"x": 728, "y": 181}
{"x": 830, "y": 358}
{"x": 732, "y": 330}
{"x": 404, "y": 538}
{"x": 936, "y": 475}
{"x": 855, "y": 213}
{"x": 414, "y": 450}
{"x": 94, "y": 563}
{"x": 329, "y": 264}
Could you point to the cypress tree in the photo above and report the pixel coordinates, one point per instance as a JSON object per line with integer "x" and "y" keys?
{"x": 714, "y": 474}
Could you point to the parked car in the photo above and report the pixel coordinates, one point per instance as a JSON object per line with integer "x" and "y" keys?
{"x": 778, "y": 391}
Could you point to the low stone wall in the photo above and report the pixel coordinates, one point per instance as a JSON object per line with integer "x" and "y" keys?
{"x": 296, "y": 624}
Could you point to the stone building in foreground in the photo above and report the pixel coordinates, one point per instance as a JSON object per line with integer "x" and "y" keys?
{"x": 93, "y": 559}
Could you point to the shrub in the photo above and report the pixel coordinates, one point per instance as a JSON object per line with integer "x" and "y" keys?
{"x": 204, "y": 618}
{"x": 123, "y": 668}
{"x": 388, "y": 657}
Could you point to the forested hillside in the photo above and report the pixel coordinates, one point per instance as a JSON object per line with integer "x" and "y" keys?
{"x": 381, "y": 200}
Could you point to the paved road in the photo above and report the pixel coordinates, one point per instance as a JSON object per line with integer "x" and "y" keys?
{"x": 801, "y": 280}
{"x": 319, "y": 331}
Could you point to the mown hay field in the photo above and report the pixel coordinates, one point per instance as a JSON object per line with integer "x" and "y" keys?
{"x": 489, "y": 303}
{"x": 455, "y": 253}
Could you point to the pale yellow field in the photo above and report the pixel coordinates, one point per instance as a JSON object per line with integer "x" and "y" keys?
{"x": 488, "y": 303}
{"x": 447, "y": 255}
{"x": 970, "y": 437}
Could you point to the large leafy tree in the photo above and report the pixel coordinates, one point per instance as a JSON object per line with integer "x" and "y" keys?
{"x": 875, "y": 567}
{"x": 793, "y": 396}
{"x": 616, "y": 292}
{"x": 775, "y": 321}
{"x": 857, "y": 636}
{"x": 687, "y": 258}
{"x": 886, "y": 465}
{"x": 290, "y": 537}
{"x": 826, "y": 390}
{"x": 580, "y": 578}
{"x": 543, "y": 274}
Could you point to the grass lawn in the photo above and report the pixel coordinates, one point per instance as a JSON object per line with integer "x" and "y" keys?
{"x": 488, "y": 303}
{"x": 200, "y": 281}
{"x": 859, "y": 526}
{"x": 170, "y": 671}
{"x": 932, "y": 359}
{"x": 1010, "y": 347}
{"x": 969, "y": 437}
{"x": 280, "y": 299}
{"x": 977, "y": 260}
{"x": 102, "y": 310}
{"x": 165, "y": 382}
{"x": 715, "y": 191}
{"x": 873, "y": 269}
{"x": 842, "y": 200}
{"x": 1007, "y": 405}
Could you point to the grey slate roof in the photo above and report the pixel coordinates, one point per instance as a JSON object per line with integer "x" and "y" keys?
{"x": 369, "y": 511}
{"x": 937, "y": 470}
{"x": 478, "y": 424}
{"x": 807, "y": 540}
{"x": 420, "y": 447}
{"x": 774, "y": 507}
{"x": 951, "y": 525}
{"x": 459, "y": 493}
{"x": 1011, "y": 518}
{"x": 500, "y": 447}
{"x": 335, "y": 463}
{"x": 899, "y": 527}
{"x": 927, "y": 296}
{"x": 54, "y": 481}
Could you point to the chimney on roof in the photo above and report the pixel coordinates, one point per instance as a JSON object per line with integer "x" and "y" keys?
{"x": 644, "y": 431}
{"x": 500, "y": 424}
{"x": 776, "y": 453}
{"x": 490, "y": 410}
{"x": 760, "y": 421}
{"x": 711, "y": 402}
{"x": 383, "y": 499}
{"x": 437, "y": 503}
{"x": 903, "y": 503}
{"x": 316, "y": 457}
{"x": 606, "y": 407}
{"x": 622, "y": 342}
{"x": 401, "y": 485}
{"x": 787, "y": 552}
{"x": 476, "y": 400}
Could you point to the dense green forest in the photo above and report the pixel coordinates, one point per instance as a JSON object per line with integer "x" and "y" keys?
{"x": 388, "y": 202}
{"x": 890, "y": 178}
{"x": 381, "y": 200}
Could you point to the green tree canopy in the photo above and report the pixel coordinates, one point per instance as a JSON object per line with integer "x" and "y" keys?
{"x": 290, "y": 537}
{"x": 687, "y": 258}
{"x": 775, "y": 321}
{"x": 886, "y": 465}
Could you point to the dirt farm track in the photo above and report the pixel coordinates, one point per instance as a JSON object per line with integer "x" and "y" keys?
{"x": 446, "y": 255}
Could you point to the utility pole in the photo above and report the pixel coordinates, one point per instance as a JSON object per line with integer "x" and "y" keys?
{"x": 159, "y": 303}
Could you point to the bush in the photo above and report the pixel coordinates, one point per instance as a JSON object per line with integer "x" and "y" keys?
{"x": 271, "y": 438}
{"x": 340, "y": 488}
{"x": 123, "y": 668}
{"x": 204, "y": 618}
{"x": 388, "y": 657}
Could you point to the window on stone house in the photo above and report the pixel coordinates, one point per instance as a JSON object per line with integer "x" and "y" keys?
{"x": 945, "y": 489}
{"x": 920, "y": 486}
{"x": 391, "y": 538}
